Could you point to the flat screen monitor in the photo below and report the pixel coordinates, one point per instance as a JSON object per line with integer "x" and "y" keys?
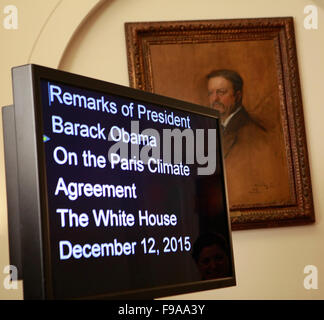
{"x": 121, "y": 192}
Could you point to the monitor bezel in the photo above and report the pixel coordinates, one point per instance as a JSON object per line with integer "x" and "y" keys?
{"x": 32, "y": 179}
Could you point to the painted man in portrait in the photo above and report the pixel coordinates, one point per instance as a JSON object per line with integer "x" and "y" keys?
{"x": 249, "y": 153}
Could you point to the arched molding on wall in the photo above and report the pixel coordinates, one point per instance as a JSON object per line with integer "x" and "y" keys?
{"x": 60, "y": 27}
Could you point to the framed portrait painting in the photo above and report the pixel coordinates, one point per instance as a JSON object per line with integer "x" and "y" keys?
{"x": 254, "y": 63}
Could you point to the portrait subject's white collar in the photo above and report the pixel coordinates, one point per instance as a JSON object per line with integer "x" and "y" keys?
{"x": 227, "y": 120}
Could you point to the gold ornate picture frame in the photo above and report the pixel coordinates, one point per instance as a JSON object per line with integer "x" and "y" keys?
{"x": 271, "y": 185}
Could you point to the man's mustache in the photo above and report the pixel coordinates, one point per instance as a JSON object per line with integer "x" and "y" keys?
{"x": 215, "y": 104}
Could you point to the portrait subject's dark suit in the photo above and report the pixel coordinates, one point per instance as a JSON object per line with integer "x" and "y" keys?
{"x": 239, "y": 129}
{"x": 250, "y": 161}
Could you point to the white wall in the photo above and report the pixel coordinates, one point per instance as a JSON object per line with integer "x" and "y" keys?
{"x": 269, "y": 262}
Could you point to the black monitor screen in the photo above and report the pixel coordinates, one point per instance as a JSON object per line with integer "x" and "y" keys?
{"x": 131, "y": 192}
